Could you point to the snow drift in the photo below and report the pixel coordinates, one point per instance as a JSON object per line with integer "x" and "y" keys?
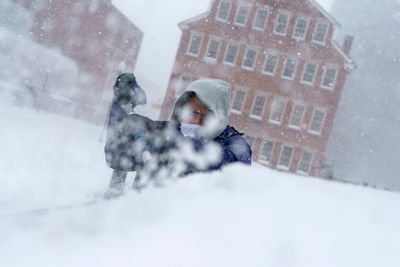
{"x": 241, "y": 216}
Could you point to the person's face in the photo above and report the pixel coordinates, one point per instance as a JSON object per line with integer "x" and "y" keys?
{"x": 198, "y": 112}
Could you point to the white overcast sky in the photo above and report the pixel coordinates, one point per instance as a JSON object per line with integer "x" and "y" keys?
{"x": 158, "y": 20}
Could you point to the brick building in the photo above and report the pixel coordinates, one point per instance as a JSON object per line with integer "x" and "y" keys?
{"x": 95, "y": 34}
{"x": 286, "y": 71}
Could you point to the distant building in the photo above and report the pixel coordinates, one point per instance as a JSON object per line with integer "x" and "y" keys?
{"x": 95, "y": 34}
{"x": 286, "y": 71}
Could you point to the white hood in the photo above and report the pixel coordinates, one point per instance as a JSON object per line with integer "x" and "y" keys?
{"x": 215, "y": 95}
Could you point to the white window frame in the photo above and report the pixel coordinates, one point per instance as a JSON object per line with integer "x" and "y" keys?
{"x": 285, "y": 12}
{"x": 305, "y": 30}
{"x": 190, "y": 44}
{"x": 297, "y": 127}
{"x": 240, "y": 5}
{"x": 287, "y": 58}
{"x": 322, "y": 123}
{"x": 226, "y": 53}
{"x": 321, "y": 21}
{"x": 265, "y": 63}
{"x": 271, "y": 120}
{"x": 326, "y": 67}
{"x": 263, "y": 7}
{"x": 245, "y": 56}
{"x": 212, "y": 38}
{"x": 219, "y": 8}
{"x": 233, "y": 101}
{"x": 283, "y": 167}
{"x": 258, "y": 94}
{"x": 266, "y": 162}
{"x": 304, "y": 72}
{"x": 309, "y": 167}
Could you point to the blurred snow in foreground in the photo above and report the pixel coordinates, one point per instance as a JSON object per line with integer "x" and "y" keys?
{"x": 242, "y": 216}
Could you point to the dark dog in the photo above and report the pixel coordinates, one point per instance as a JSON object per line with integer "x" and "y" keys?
{"x": 128, "y": 91}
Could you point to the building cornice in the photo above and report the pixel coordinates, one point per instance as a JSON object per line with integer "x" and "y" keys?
{"x": 183, "y": 24}
{"x": 325, "y": 13}
{"x": 350, "y": 64}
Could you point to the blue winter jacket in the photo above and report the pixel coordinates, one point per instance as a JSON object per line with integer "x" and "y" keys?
{"x": 234, "y": 148}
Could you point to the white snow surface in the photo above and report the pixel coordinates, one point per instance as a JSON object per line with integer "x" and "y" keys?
{"x": 241, "y": 216}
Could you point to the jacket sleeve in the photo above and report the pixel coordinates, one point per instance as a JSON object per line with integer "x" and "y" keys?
{"x": 233, "y": 150}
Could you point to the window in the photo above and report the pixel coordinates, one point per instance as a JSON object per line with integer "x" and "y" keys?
{"x": 329, "y": 78}
{"x": 317, "y": 121}
{"x": 250, "y": 58}
{"x": 300, "y": 29}
{"x": 309, "y": 73}
{"x": 297, "y": 116}
{"x": 238, "y": 101}
{"x": 305, "y": 162}
{"x": 281, "y": 23}
{"x": 194, "y": 47}
{"x": 223, "y": 10}
{"x": 250, "y": 140}
{"x": 213, "y": 48}
{"x": 270, "y": 64}
{"x": 286, "y": 156}
{"x": 278, "y": 108}
{"x": 258, "y": 106}
{"x": 261, "y": 18}
{"x": 266, "y": 152}
{"x": 290, "y": 68}
{"x": 241, "y": 15}
{"x": 183, "y": 83}
{"x": 320, "y": 32}
{"x": 231, "y": 52}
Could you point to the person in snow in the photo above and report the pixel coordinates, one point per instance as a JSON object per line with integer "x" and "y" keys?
{"x": 201, "y": 114}
{"x": 197, "y": 138}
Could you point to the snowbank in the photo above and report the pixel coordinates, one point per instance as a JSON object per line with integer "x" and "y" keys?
{"x": 37, "y": 68}
{"x": 242, "y": 216}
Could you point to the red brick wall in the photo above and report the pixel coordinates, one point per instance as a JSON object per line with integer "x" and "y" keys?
{"x": 253, "y": 81}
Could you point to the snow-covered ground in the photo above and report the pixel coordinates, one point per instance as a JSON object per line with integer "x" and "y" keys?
{"x": 242, "y": 216}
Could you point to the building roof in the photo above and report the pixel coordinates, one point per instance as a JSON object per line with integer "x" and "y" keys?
{"x": 349, "y": 61}
{"x": 127, "y": 20}
{"x": 326, "y": 13}
{"x": 193, "y": 19}
{"x": 313, "y": 2}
